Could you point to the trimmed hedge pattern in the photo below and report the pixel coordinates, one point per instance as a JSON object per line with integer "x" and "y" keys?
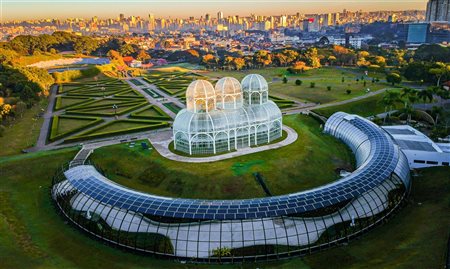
{"x": 162, "y": 114}
{"x": 91, "y": 134}
{"x": 55, "y": 135}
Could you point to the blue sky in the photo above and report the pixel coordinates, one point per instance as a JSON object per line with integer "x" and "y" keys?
{"x": 26, "y": 9}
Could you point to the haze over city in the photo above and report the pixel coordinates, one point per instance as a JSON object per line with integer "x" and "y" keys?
{"x": 40, "y": 9}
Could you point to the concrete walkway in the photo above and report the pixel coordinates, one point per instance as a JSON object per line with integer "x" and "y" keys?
{"x": 161, "y": 141}
{"x": 43, "y": 133}
{"x": 149, "y": 98}
{"x": 166, "y": 96}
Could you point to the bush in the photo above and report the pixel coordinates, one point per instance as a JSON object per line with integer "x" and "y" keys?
{"x": 365, "y": 83}
{"x": 393, "y": 78}
{"x": 329, "y": 88}
{"x": 285, "y": 80}
{"x": 348, "y": 91}
{"x": 298, "y": 82}
{"x": 343, "y": 79}
{"x": 312, "y": 85}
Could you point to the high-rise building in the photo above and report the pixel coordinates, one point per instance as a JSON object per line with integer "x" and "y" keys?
{"x": 151, "y": 22}
{"x": 438, "y": 10}
{"x": 283, "y": 21}
{"x": 220, "y": 16}
{"x": 121, "y": 17}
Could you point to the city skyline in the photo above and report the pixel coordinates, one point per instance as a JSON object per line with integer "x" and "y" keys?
{"x": 48, "y": 9}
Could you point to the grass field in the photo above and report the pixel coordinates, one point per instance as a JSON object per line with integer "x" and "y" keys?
{"x": 310, "y": 161}
{"x": 24, "y": 131}
{"x": 322, "y": 78}
{"x": 366, "y": 107}
{"x": 33, "y": 235}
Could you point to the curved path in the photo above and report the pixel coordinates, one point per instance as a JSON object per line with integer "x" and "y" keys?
{"x": 161, "y": 141}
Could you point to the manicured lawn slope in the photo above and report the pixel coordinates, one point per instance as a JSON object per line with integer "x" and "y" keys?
{"x": 309, "y": 162}
{"x": 24, "y": 132}
{"x": 366, "y": 107}
{"x": 323, "y": 77}
{"x": 33, "y": 235}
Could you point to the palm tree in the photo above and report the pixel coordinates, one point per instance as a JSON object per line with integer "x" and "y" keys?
{"x": 425, "y": 95}
{"x": 409, "y": 96}
{"x": 390, "y": 99}
{"x": 436, "y": 111}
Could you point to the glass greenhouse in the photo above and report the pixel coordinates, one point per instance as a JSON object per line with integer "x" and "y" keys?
{"x": 249, "y": 229}
{"x": 226, "y": 117}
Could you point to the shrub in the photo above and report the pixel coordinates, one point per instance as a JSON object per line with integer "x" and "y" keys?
{"x": 329, "y": 88}
{"x": 343, "y": 79}
{"x": 365, "y": 83}
{"x": 285, "y": 80}
{"x": 222, "y": 252}
{"x": 312, "y": 85}
{"x": 298, "y": 82}
{"x": 348, "y": 91}
{"x": 393, "y": 78}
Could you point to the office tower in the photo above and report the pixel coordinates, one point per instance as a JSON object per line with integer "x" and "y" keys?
{"x": 151, "y": 22}
{"x": 438, "y": 10}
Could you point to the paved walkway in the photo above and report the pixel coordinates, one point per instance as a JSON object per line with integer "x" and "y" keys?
{"x": 43, "y": 133}
{"x": 161, "y": 141}
{"x": 149, "y": 98}
{"x": 162, "y": 93}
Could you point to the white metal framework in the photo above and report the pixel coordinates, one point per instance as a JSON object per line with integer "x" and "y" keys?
{"x": 226, "y": 117}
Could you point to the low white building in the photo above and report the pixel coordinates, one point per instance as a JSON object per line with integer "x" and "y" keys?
{"x": 420, "y": 150}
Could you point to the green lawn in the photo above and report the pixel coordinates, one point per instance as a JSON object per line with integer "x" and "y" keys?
{"x": 24, "y": 132}
{"x": 67, "y": 124}
{"x": 150, "y": 112}
{"x": 121, "y": 125}
{"x": 366, "y": 107}
{"x": 322, "y": 78}
{"x": 33, "y": 235}
{"x": 309, "y": 162}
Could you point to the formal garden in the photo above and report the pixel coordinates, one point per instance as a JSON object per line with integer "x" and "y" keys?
{"x": 101, "y": 107}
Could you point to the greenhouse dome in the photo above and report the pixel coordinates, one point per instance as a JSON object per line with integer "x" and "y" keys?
{"x": 219, "y": 119}
{"x": 200, "y": 96}
{"x": 229, "y": 94}
{"x": 255, "y": 89}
